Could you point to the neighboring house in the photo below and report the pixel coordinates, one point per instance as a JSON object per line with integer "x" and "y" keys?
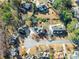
{"x": 76, "y": 12}
{"x": 24, "y": 31}
{"x": 14, "y": 41}
{"x": 25, "y": 7}
{"x": 42, "y": 8}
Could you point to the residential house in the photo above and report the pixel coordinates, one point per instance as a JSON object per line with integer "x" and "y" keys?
{"x": 24, "y": 31}
{"x": 14, "y": 41}
{"x": 57, "y": 30}
{"x": 42, "y": 9}
{"x": 25, "y": 7}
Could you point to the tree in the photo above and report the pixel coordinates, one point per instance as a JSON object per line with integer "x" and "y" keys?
{"x": 75, "y": 39}
{"x": 65, "y": 16}
{"x": 76, "y": 31}
{"x": 6, "y": 17}
{"x": 6, "y": 7}
{"x": 6, "y": 12}
{"x": 33, "y": 8}
{"x": 57, "y": 4}
{"x": 16, "y": 3}
{"x": 67, "y": 4}
{"x": 72, "y": 24}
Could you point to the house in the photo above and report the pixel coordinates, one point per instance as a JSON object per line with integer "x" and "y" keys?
{"x": 14, "y": 41}
{"x": 25, "y": 7}
{"x": 24, "y": 31}
{"x": 76, "y": 12}
{"x": 42, "y": 9}
{"x": 58, "y": 30}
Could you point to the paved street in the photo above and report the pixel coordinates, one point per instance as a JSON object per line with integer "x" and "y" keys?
{"x": 29, "y": 43}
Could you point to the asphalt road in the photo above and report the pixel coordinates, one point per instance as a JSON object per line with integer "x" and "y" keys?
{"x": 29, "y": 43}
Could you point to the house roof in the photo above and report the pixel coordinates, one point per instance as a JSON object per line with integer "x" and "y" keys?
{"x": 26, "y": 5}
{"x": 59, "y": 31}
{"x": 42, "y": 8}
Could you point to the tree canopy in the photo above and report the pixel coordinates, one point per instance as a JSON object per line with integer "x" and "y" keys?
{"x": 72, "y": 24}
